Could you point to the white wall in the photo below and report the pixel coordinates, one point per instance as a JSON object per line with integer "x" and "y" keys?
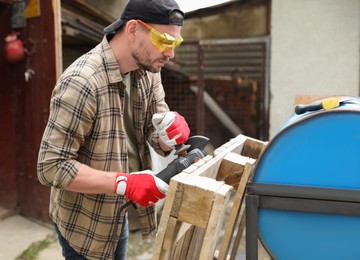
{"x": 314, "y": 51}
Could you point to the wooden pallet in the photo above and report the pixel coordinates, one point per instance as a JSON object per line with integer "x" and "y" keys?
{"x": 194, "y": 221}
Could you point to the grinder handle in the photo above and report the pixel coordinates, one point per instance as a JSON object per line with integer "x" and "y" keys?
{"x": 180, "y": 164}
{"x": 327, "y": 103}
{"x": 170, "y": 171}
{"x": 302, "y": 108}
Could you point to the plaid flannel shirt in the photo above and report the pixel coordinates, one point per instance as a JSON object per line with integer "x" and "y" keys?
{"x": 85, "y": 126}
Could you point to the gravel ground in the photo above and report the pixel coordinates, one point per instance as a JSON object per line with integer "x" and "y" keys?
{"x": 138, "y": 248}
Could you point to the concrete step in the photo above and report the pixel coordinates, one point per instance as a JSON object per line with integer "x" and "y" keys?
{"x": 17, "y": 233}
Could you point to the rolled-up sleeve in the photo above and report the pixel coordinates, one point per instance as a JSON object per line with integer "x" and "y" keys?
{"x": 72, "y": 110}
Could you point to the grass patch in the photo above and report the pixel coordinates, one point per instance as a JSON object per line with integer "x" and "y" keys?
{"x": 33, "y": 250}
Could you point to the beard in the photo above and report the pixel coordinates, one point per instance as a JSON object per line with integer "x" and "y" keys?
{"x": 144, "y": 62}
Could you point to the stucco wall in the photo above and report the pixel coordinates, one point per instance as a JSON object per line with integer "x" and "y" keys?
{"x": 314, "y": 51}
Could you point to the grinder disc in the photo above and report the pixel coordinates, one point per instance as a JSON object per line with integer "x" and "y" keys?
{"x": 200, "y": 142}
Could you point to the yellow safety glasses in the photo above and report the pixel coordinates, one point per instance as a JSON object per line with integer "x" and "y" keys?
{"x": 162, "y": 41}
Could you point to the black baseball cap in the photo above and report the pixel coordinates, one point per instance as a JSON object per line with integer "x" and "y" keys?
{"x": 148, "y": 11}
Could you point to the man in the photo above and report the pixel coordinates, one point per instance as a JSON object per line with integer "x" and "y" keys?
{"x": 105, "y": 109}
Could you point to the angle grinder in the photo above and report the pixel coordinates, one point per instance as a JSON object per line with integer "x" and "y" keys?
{"x": 196, "y": 148}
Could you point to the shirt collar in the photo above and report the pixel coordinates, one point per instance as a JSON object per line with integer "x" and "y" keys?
{"x": 111, "y": 64}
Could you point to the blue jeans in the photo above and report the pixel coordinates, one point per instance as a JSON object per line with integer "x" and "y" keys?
{"x": 120, "y": 253}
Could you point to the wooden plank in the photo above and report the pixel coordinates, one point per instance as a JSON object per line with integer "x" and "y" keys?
{"x": 170, "y": 233}
{"x": 196, "y": 198}
{"x": 171, "y": 205}
{"x": 171, "y": 208}
{"x": 32, "y": 109}
{"x": 231, "y": 169}
{"x": 196, "y": 244}
{"x": 58, "y": 38}
{"x": 210, "y": 169}
{"x": 253, "y": 148}
{"x": 199, "y": 201}
{"x": 78, "y": 25}
{"x": 190, "y": 199}
{"x": 183, "y": 241}
{"x": 239, "y": 234}
{"x": 235, "y": 210}
{"x": 189, "y": 245}
{"x": 89, "y": 10}
{"x": 215, "y": 221}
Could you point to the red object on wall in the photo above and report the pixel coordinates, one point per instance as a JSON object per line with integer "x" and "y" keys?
{"x": 14, "y": 48}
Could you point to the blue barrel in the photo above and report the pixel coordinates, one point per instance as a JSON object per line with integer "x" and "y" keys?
{"x": 313, "y": 149}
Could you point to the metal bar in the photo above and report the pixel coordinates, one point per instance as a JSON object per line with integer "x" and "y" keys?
{"x": 334, "y": 194}
{"x": 85, "y": 31}
{"x": 234, "y": 41}
{"x": 310, "y": 205}
{"x": 252, "y": 204}
{"x": 200, "y": 93}
{"x": 218, "y": 112}
{"x": 266, "y": 88}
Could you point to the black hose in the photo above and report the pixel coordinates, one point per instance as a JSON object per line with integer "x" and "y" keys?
{"x": 117, "y": 220}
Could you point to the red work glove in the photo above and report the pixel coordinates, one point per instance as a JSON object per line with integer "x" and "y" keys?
{"x": 172, "y": 128}
{"x": 143, "y": 188}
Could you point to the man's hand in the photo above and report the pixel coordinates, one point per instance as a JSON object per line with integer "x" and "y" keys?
{"x": 143, "y": 188}
{"x": 172, "y": 128}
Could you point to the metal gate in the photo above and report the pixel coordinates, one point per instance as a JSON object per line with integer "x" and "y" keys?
{"x": 219, "y": 77}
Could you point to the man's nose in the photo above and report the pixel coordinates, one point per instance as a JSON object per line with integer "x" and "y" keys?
{"x": 170, "y": 52}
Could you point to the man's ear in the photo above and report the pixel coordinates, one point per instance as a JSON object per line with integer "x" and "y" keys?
{"x": 131, "y": 28}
